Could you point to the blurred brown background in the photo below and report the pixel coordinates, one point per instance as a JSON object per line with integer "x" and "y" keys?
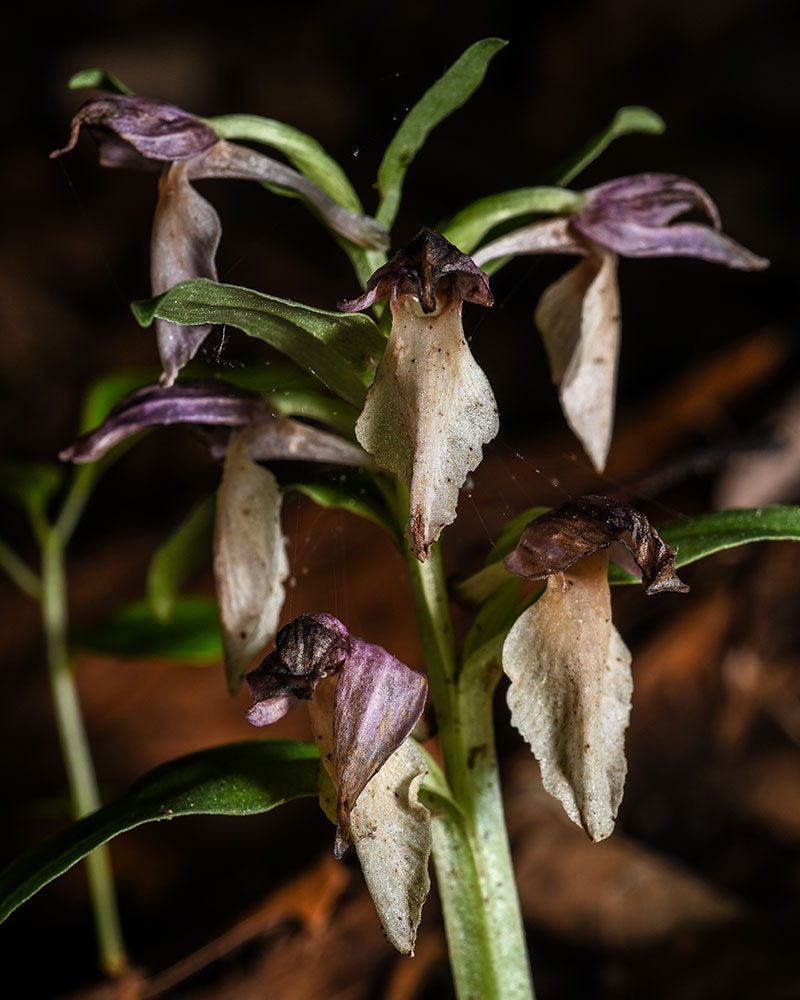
{"x": 697, "y": 893}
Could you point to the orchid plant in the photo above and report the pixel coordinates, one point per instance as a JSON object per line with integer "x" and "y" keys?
{"x": 406, "y": 412}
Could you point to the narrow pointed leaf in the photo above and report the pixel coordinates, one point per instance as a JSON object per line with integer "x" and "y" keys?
{"x": 307, "y": 156}
{"x": 191, "y": 635}
{"x": 495, "y": 617}
{"x": 187, "y": 548}
{"x": 342, "y": 350}
{"x": 98, "y": 79}
{"x": 353, "y": 491}
{"x": 449, "y": 92}
{"x": 232, "y": 161}
{"x": 467, "y": 229}
{"x": 629, "y": 120}
{"x": 303, "y": 152}
{"x": 696, "y": 537}
{"x": 239, "y": 779}
{"x": 289, "y": 392}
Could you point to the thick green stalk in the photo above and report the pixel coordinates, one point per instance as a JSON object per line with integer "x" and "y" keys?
{"x": 487, "y": 948}
{"x": 75, "y": 747}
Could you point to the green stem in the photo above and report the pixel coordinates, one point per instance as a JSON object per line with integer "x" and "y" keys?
{"x": 75, "y": 747}
{"x": 19, "y": 571}
{"x": 486, "y": 937}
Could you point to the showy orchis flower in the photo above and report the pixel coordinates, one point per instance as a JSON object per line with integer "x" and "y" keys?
{"x": 569, "y": 668}
{"x": 430, "y": 409}
{"x": 250, "y": 564}
{"x": 140, "y": 132}
{"x": 579, "y": 315}
{"x": 364, "y": 703}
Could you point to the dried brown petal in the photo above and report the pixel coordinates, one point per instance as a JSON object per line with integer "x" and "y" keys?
{"x": 184, "y": 242}
{"x": 556, "y": 540}
{"x": 428, "y": 414}
{"x": 391, "y": 831}
{"x": 250, "y": 563}
{"x": 427, "y": 262}
{"x": 306, "y": 650}
{"x": 378, "y": 702}
{"x": 390, "y": 828}
{"x": 570, "y": 693}
{"x": 155, "y": 129}
{"x": 633, "y": 217}
{"x": 578, "y": 317}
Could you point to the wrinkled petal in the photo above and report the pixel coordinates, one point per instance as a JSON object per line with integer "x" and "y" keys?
{"x": 570, "y": 693}
{"x": 286, "y": 439}
{"x": 250, "y": 563}
{"x": 184, "y": 242}
{"x": 631, "y": 216}
{"x": 192, "y": 402}
{"x": 550, "y": 236}
{"x": 264, "y": 713}
{"x": 430, "y": 409}
{"x": 417, "y": 271}
{"x": 578, "y": 317}
{"x": 155, "y": 129}
{"x": 228, "y": 160}
{"x": 427, "y": 415}
{"x": 579, "y": 528}
{"x": 306, "y": 650}
{"x": 391, "y": 832}
{"x": 649, "y": 199}
{"x": 377, "y": 702}
{"x": 686, "y": 239}
{"x": 117, "y": 154}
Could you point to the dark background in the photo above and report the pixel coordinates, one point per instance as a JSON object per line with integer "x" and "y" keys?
{"x": 708, "y": 355}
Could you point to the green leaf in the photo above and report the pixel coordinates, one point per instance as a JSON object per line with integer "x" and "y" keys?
{"x": 512, "y": 532}
{"x": 303, "y": 152}
{"x": 105, "y": 392}
{"x": 467, "y": 229}
{"x": 448, "y": 94}
{"x": 239, "y": 779}
{"x": 191, "y": 635}
{"x": 188, "y": 547}
{"x": 479, "y": 587}
{"x": 353, "y": 490}
{"x": 633, "y": 119}
{"x": 694, "y": 538}
{"x": 496, "y": 615}
{"x": 31, "y": 485}
{"x": 306, "y": 155}
{"x": 313, "y": 405}
{"x": 340, "y": 349}
{"x": 98, "y": 79}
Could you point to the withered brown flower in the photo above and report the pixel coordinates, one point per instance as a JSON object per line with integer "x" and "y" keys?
{"x": 430, "y": 409}
{"x": 569, "y": 668}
